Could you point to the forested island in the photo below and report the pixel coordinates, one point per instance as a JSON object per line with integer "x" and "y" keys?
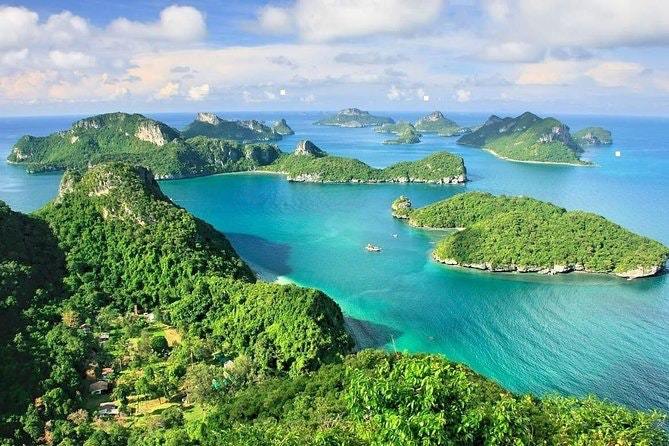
{"x": 354, "y": 118}
{"x": 437, "y": 123}
{"x": 593, "y": 136}
{"x": 406, "y": 136}
{"x": 127, "y": 321}
{"x": 139, "y": 140}
{"x": 502, "y": 234}
{"x": 308, "y": 163}
{"x": 526, "y": 138}
{"x": 211, "y": 126}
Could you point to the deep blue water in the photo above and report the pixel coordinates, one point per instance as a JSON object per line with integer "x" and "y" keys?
{"x": 573, "y": 334}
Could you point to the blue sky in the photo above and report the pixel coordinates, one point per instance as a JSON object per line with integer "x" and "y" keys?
{"x": 503, "y": 56}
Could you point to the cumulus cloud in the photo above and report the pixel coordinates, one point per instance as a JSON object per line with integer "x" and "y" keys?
{"x": 18, "y": 25}
{"x": 326, "y": 20}
{"x": 71, "y": 60}
{"x": 198, "y": 92}
{"x": 176, "y": 24}
{"x": 616, "y": 74}
{"x": 462, "y": 95}
{"x": 169, "y": 90}
{"x": 580, "y": 23}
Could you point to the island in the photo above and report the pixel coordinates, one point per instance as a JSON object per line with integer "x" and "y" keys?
{"x": 526, "y": 138}
{"x": 436, "y": 122}
{"x": 396, "y": 128}
{"x": 504, "y": 234}
{"x": 308, "y": 163}
{"x": 210, "y": 125}
{"x": 140, "y": 140}
{"x": 593, "y": 136}
{"x": 354, "y": 118}
{"x": 127, "y": 320}
{"x": 282, "y": 128}
{"x": 407, "y": 136}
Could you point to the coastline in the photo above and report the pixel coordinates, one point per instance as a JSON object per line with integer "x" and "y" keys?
{"x": 556, "y": 163}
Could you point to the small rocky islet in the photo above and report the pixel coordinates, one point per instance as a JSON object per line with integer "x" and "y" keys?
{"x": 521, "y": 234}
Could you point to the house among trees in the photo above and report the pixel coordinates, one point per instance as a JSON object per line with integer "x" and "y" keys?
{"x": 98, "y": 387}
{"x": 108, "y": 409}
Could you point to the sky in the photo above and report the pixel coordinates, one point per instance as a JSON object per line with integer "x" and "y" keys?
{"x": 502, "y": 56}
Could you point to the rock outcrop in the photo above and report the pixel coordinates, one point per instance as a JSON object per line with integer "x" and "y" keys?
{"x": 308, "y": 148}
{"x": 208, "y": 118}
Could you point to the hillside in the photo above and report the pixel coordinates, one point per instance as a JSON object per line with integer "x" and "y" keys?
{"x": 593, "y": 136}
{"x": 406, "y": 136}
{"x": 500, "y": 233}
{"x": 138, "y": 140}
{"x": 526, "y": 138}
{"x": 436, "y": 122}
{"x": 211, "y": 126}
{"x": 318, "y": 167}
{"x": 246, "y": 362}
{"x": 355, "y": 118}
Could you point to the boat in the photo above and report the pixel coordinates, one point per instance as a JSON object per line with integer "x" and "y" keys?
{"x": 372, "y": 248}
{"x": 394, "y": 235}
{"x": 618, "y": 153}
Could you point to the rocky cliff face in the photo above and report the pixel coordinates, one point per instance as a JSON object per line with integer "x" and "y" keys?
{"x": 208, "y": 118}
{"x": 558, "y": 133}
{"x": 151, "y": 132}
{"x": 308, "y": 148}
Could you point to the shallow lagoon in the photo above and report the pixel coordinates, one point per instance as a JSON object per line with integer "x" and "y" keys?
{"x": 572, "y": 334}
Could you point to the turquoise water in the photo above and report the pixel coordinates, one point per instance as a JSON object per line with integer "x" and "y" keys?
{"x": 573, "y": 334}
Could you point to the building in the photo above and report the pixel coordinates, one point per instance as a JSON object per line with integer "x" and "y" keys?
{"x": 108, "y": 409}
{"x": 98, "y": 387}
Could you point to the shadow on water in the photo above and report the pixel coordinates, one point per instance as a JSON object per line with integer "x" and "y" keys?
{"x": 370, "y": 334}
{"x": 265, "y": 257}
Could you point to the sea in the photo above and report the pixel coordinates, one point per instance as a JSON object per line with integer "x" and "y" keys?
{"x": 573, "y": 334}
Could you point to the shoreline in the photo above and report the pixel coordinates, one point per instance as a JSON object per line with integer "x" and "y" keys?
{"x": 555, "y": 163}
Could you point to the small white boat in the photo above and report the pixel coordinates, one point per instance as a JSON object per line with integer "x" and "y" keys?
{"x": 372, "y": 248}
{"x": 618, "y": 153}
{"x": 394, "y": 235}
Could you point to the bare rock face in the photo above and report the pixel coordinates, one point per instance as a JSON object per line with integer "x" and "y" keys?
{"x": 151, "y": 132}
{"x": 208, "y": 118}
{"x": 640, "y": 271}
{"x": 308, "y": 148}
{"x": 558, "y": 133}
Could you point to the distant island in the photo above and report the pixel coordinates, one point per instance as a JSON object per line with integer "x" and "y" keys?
{"x": 503, "y": 234}
{"x": 406, "y": 136}
{"x": 396, "y": 127}
{"x": 308, "y": 163}
{"x": 436, "y": 122}
{"x": 593, "y": 136}
{"x": 526, "y": 138}
{"x": 282, "y": 128}
{"x": 140, "y": 140}
{"x": 354, "y": 118}
{"x": 210, "y": 125}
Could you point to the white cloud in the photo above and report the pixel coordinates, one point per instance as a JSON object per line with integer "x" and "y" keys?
{"x": 274, "y": 20}
{"x": 169, "y": 90}
{"x": 552, "y": 72}
{"x": 616, "y": 74}
{"x": 589, "y": 23}
{"x": 325, "y": 20}
{"x": 198, "y": 92}
{"x": 13, "y": 58}
{"x": 308, "y": 99}
{"x": 18, "y": 26}
{"x": 463, "y": 95}
{"x": 512, "y": 52}
{"x": 71, "y": 60}
{"x": 176, "y": 24}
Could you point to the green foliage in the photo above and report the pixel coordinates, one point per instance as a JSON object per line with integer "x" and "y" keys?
{"x": 593, "y": 136}
{"x": 281, "y": 127}
{"x": 526, "y": 138}
{"x": 527, "y": 233}
{"x": 353, "y": 117}
{"x": 243, "y": 131}
{"x": 407, "y": 136}
{"x": 396, "y": 128}
{"x": 436, "y": 122}
{"x": 438, "y": 167}
{"x": 159, "y": 345}
{"x": 136, "y": 139}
